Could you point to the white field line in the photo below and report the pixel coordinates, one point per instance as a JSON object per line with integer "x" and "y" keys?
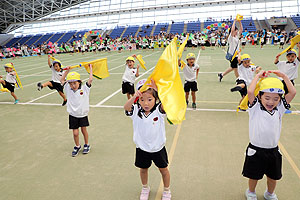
{"x": 121, "y": 107}
{"x": 119, "y": 90}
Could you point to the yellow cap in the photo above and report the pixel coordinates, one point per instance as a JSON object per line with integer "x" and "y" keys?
{"x": 130, "y": 58}
{"x": 8, "y": 65}
{"x": 245, "y": 57}
{"x": 73, "y": 76}
{"x": 272, "y": 85}
{"x": 292, "y": 51}
{"x": 190, "y": 55}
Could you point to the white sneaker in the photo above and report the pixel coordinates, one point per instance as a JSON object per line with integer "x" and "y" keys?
{"x": 269, "y": 196}
{"x": 166, "y": 195}
{"x": 145, "y": 193}
{"x": 250, "y": 195}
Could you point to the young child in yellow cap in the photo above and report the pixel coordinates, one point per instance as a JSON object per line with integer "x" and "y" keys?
{"x": 190, "y": 72}
{"x": 54, "y": 84}
{"x": 266, "y": 110}
{"x": 246, "y": 72}
{"x": 129, "y": 76}
{"x": 10, "y": 81}
{"x": 78, "y": 107}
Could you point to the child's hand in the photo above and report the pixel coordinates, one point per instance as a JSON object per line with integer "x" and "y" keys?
{"x": 49, "y": 56}
{"x": 134, "y": 55}
{"x": 1, "y": 76}
{"x": 278, "y": 73}
{"x": 67, "y": 68}
{"x": 90, "y": 66}
{"x": 278, "y": 55}
{"x": 263, "y": 74}
{"x": 152, "y": 85}
{"x": 137, "y": 94}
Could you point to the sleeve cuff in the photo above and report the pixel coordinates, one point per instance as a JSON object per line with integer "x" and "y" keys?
{"x": 253, "y": 103}
{"x": 129, "y": 113}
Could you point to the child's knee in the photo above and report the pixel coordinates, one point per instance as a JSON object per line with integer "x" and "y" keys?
{"x": 75, "y": 132}
{"x": 164, "y": 171}
{"x": 144, "y": 170}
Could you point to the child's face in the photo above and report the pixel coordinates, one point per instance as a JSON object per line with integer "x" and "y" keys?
{"x": 147, "y": 101}
{"x": 191, "y": 61}
{"x": 7, "y": 69}
{"x": 246, "y": 63}
{"x": 270, "y": 100}
{"x": 130, "y": 63}
{"x": 291, "y": 57}
{"x": 56, "y": 67}
{"x": 74, "y": 85}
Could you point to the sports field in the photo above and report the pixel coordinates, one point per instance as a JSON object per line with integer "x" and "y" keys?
{"x": 206, "y": 152}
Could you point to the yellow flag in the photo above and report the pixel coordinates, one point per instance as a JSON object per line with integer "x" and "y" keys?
{"x": 19, "y": 84}
{"x": 100, "y": 69}
{"x": 294, "y": 41}
{"x": 181, "y": 48}
{"x": 2, "y": 89}
{"x": 244, "y": 104}
{"x": 182, "y": 64}
{"x": 169, "y": 85}
{"x": 141, "y": 61}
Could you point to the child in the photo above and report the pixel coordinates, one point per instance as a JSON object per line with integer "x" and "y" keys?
{"x": 129, "y": 77}
{"x": 190, "y": 72}
{"x": 265, "y": 118}
{"x": 149, "y": 136}
{"x": 78, "y": 107}
{"x": 246, "y": 73}
{"x": 10, "y": 81}
{"x": 233, "y": 46}
{"x": 57, "y": 73}
{"x": 289, "y": 67}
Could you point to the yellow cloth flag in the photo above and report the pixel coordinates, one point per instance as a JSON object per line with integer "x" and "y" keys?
{"x": 2, "y": 89}
{"x": 294, "y": 41}
{"x": 19, "y": 84}
{"x": 244, "y": 104}
{"x": 141, "y": 61}
{"x": 180, "y": 51}
{"x": 169, "y": 85}
{"x": 100, "y": 69}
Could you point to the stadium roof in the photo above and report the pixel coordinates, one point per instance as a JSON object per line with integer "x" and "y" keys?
{"x": 16, "y": 11}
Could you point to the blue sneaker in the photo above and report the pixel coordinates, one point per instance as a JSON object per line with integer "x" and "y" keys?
{"x": 16, "y": 101}
{"x": 86, "y": 149}
{"x": 288, "y": 112}
{"x": 76, "y": 151}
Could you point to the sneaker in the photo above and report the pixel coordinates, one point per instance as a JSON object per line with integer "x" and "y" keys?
{"x": 187, "y": 103}
{"x": 16, "y": 101}
{"x": 76, "y": 151}
{"x": 64, "y": 103}
{"x": 39, "y": 85}
{"x": 236, "y": 88}
{"x": 269, "y": 196}
{"x": 250, "y": 195}
{"x": 86, "y": 149}
{"x": 220, "y": 75}
{"x": 288, "y": 112}
{"x": 194, "y": 106}
{"x": 166, "y": 195}
{"x": 145, "y": 193}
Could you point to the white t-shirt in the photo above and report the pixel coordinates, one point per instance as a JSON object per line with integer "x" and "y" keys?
{"x": 246, "y": 73}
{"x": 148, "y": 131}
{"x": 265, "y": 126}
{"x": 129, "y": 74}
{"x": 190, "y": 73}
{"x": 290, "y": 69}
{"x": 78, "y": 101}
{"x": 56, "y": 76}
{"x": 234, "y": 44}
{"x": 10, "y": 78}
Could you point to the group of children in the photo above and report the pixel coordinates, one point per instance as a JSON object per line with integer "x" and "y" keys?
{"x": 147, "y": 113}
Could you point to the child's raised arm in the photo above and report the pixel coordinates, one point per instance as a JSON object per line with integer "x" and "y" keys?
{"x": 49, "y": 62}
{"x": 257, "y": 70}
{"x": 233, "y": 26}
{"x": 277, "y": 59}
{"x": 252, "y": 86}
{"x": 241, "y": 28}
{"x": 292, "y": 90}
{"x": 91, "y": 75}
{"x": 131, "y": 101}
{"x": 137, "y": 71}
{"x": 239, "y": 57}
{"x": 63, "y": 77}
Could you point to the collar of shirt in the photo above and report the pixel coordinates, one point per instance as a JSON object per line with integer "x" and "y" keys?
{"x": 264, "y": 109}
